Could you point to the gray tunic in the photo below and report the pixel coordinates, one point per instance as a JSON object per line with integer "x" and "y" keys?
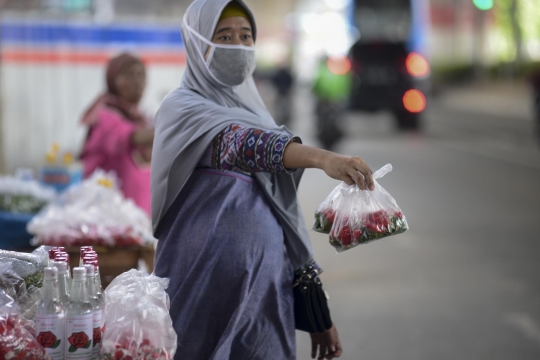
{"x": 231, "y": 279}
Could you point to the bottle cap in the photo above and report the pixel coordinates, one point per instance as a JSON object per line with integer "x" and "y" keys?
{"x": 50, "y": 273}
{"x": 89, "y": 269}
{"x": 83, "y": 248}
{"x": 55, "y": 251}
{"x": 95, "y": 263}
{"x": 79, "y": 273}
{"x": 88, "y": 259}
{"x": 62, "y": 258}
{"x": 61, "y": 266}
{"x": 61, "y": 248}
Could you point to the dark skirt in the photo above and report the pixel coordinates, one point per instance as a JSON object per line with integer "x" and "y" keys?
{"x": 231, "y": 279}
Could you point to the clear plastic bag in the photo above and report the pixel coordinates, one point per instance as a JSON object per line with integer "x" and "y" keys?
{"x": 26, "y": 297}
{"x": 16, "y": 341}
{"x": 28, "y": 266}
{"x": 92, "y": 213}
{"x": 135, "y": 281}
{"x": 137, "y": 321}
{"x": 28, "y": 302}
{"x": 326, "y": 211}
{"x": 11, "y": 282}
{"x": 363, "y": 216}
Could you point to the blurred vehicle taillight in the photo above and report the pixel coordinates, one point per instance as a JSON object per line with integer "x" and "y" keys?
{"x": 414, "y": 101}
{"x": 339, "y": 65}
{"x": 417, "y": 65}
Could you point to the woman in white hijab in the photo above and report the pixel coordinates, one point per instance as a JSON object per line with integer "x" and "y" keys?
{"x": 224, "y": 203}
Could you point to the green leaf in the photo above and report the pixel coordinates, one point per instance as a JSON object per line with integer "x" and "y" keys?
{"x": 56, "y": 344}
{"x": 72, "y": 348}
{"x": 87, "y": 345}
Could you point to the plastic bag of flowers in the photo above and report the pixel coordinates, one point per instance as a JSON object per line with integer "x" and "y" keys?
{"x": 137, "y": 321}
{"x": 16, "y": 342}
{"x": 326, "y": 211}
{"x": 363, "y": 216}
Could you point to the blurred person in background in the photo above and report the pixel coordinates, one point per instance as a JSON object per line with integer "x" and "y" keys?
{"x": 535, "y": 82}
{"x": 331, "y": 87}
{"x": 224, "y": 200}
{"x": 119, "y": 136}
{"x": 283, "y": 81}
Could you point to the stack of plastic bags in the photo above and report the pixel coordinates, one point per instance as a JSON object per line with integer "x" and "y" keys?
{"x": 352, "y": 216}
{"x": 92, "y": 213}
{"x": 137, "y": 321}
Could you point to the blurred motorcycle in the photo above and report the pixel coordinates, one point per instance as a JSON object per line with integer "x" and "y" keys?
{"x": 535, "y": 80}
{"x": 332, "y": 90}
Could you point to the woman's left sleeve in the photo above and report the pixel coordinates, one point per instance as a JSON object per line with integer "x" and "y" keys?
{"x": 251, "y": 150}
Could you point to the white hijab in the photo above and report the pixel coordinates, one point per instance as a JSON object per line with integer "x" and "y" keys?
{"x": 192, "y": 115}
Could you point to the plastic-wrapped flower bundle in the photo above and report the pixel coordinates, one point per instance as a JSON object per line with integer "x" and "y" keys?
{"x": 16, "y": 340}
{"x": 355, "y": 216}
{"x": 137, "y": 321}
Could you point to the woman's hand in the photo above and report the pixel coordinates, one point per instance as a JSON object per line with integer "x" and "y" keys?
{"x": 326, "y": 344}
{"x": 350, "y": 169}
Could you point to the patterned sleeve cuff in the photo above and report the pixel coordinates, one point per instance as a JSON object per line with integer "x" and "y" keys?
{"x": 263, "y": 151}
{"x": 281, "y": 152}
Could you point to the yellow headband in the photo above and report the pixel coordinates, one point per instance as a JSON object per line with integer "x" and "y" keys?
{"x": 234, "y": 9}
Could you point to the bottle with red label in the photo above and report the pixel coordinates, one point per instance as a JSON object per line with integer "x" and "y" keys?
{"x": 79, "y": 319}
{"x": 98, "y": 305}
{"x": 50, "y": 316}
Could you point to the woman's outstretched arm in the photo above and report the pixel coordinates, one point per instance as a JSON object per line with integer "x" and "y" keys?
{"x": 350, "y": 169}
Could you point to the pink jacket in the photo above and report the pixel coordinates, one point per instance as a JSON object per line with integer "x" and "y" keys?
{"x": 109, "y": 147}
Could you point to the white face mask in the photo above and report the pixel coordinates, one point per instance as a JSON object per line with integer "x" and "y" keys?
{"x": 229, "y": 65}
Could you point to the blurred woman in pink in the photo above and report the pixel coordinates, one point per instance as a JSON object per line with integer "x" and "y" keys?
{"x": 119, "y": 137}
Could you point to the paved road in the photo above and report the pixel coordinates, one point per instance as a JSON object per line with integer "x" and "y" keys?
{"x": 464, "y": 282}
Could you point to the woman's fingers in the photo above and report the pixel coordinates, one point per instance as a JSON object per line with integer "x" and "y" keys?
{"x": 322, "y": 351}
{"x": 347, "y": 179}
{"x": 313, "y": 349}
{"x": 368, "y": 176}
{"x": 357, "y": 177}
{"x": 338, "y": 351}
{"x": 360, "y": 173}
{"x": 351, "y": 170}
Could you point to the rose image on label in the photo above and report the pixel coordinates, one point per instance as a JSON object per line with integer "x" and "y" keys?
{"x": 97, "y": 336}
{"x": 48, "y": 340}
{"x": 79, "y": 341}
